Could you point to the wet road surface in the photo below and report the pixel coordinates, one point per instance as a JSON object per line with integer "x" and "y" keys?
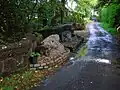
{"x": 94, "y": 71}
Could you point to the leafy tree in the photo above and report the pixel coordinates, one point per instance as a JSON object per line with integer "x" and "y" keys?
{"x": 110, "y": 13}
{"x": 14, "y": 18}
{"x": 82, "y": 10}
{"x": 18, "y": 17}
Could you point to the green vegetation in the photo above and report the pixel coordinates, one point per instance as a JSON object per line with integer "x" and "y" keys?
{"x": 21, "y": 81}
{"x": 111, "y": 30}
{"x": 82, "y": 12}
{"x": 25, "y": 80}
{"x": 109, "y": 15}
{"x": 82, "y": 51}
{"x": 19, "y": 17}
{"x": 35, "y": 54}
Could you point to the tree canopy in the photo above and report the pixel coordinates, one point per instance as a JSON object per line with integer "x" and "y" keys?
{"x": 109, "y": 12}
{"x": 18, "y": 17}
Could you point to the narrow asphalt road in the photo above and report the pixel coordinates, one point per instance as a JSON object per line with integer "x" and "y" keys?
{"x": 94, "y": 71}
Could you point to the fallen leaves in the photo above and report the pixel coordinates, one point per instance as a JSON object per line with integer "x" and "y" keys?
{"x": 27, "y": 79}
{"x": 21, "y": 81}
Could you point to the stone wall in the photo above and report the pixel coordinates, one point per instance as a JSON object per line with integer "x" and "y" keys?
{"x": 51, "y": 62}
{"x": 52, "y": 53}
{"x": 14, "y": 57}
{"x": 56, "y": 30}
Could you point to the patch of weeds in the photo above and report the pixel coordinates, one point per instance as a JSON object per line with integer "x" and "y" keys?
{"x": 82, "y": 51}
{"x": 21, "y": 81}
{"x": 113, "y": 31}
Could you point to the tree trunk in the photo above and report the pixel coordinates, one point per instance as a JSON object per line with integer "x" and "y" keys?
{"x": 62, "y": 10}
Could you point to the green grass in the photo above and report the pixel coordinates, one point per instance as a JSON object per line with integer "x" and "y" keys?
{"x": 109, "y": 29}
{"x": 82, "y": 52}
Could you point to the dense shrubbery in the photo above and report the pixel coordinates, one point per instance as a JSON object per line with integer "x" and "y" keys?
{"x": 19, "y": 17}
{"x": 110, "y": 16}
{"x": 107, "y": 27}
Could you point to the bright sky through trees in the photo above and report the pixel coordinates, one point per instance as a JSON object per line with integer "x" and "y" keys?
{"x": 71, "y": 4}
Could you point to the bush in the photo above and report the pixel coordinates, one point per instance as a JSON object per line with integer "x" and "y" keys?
{"x": 112, "y": 31}
{"x": 107, "y": 27}
{"x": 110, "y": 14}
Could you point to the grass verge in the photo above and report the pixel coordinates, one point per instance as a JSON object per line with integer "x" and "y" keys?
{"x": 109, "y": 29}
{"x": 82, "y": 51}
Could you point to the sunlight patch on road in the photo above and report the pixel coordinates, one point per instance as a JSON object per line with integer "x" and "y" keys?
{"x": 71, "y": 4}
{"x": 103, "y": 61}
{"x": 71, "y": 58}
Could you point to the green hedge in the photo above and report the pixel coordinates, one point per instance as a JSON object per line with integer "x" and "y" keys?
{"x": 110, "y": 17}
{"x": 110, "y": 14}
{"x": 107, "y": 27}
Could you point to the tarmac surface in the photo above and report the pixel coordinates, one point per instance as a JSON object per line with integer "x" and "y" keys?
{"x": 95, "y": 70}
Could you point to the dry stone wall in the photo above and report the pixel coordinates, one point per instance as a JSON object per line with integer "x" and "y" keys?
{"x": 14, "y": 57}
{"x": 53, "y": 54}
{"x": 51, "y": 62}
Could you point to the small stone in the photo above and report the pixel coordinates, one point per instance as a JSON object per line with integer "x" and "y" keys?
{"x": 45, "y": 67}
{"x": 50, "y": 68}
{"x": 31, "y": 65}
{"x": 4, "y": 47}
{"x": 1, "y": 79}
{"x": 40, "y": 67}
{"x": 52, "y": 61}
{"x": 32, "y": 68}
{"x": 22, "y": 77}
{"x": 43, "y": 64}
{"x": 48, "y": 62}
{"x": 56, "y": 66}
{"x": 56, "y": 60}
{"x": 36, "y": 71}
{"x": 36, "y": 65}
{"x": 91, "y": 82}
{"x": 59, "y": 60}
{"x": 71, "y": 58}
{"x": 24, "y": 38}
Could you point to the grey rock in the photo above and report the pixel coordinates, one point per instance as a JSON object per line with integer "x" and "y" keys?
{"x": 66, "y": 36}
{"x": 53, "y": 46}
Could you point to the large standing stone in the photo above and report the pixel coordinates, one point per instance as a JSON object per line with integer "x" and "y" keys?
{"x": 53, "y": 46}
